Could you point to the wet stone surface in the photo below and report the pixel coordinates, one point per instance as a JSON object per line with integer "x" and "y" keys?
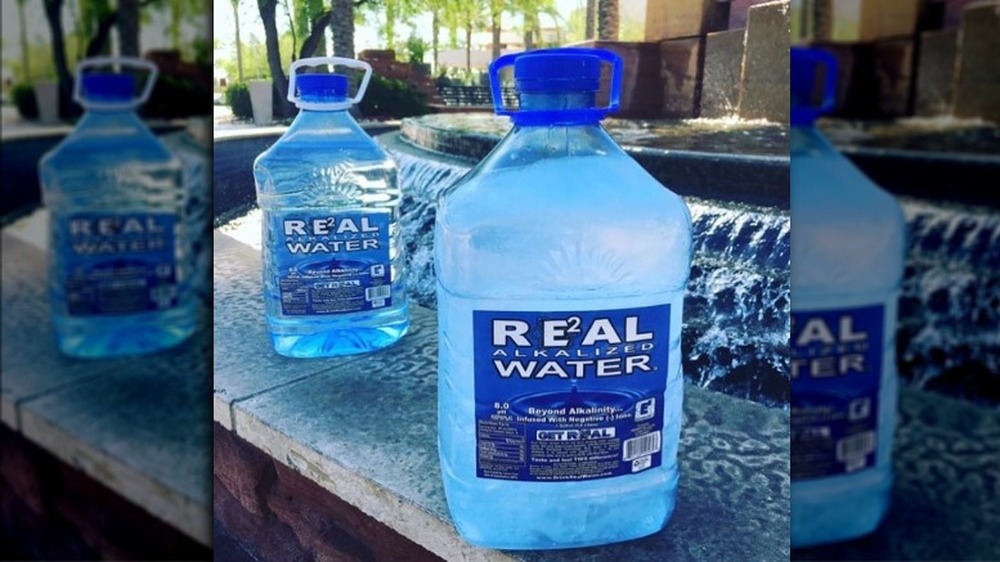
{"x": 726, "y": 136}
{"x": 932, "y": 136}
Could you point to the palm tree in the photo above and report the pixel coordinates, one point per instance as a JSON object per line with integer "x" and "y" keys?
{"x": 239, "y": 42}
{"x": 607, "y": 20}
{"x": 128, "y": 28}
{"x": 589, "y": 32}
{"x": 438, "y": 9}
{"x": 531, "y": 10}
{"x": 53, "y": 14}
{"x": 466, "y": 14}
{"x": 342, "y": 27}
{"x": 496, "y": 10}
{"x": 25, "y": 67}
{"x": 175, "y": 23}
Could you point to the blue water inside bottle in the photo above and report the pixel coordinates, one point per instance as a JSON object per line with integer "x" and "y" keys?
{"x": 561, "y": 269}
{"x": 121, "y": 259}
{"x": 332, "y": 256}
{"x": 847, "y": 263}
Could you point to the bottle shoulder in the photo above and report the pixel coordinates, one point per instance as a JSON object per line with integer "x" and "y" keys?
{"x": 109, "y": 149}
{"x": 610, "y": 186}
{"x": 322, "y": 152}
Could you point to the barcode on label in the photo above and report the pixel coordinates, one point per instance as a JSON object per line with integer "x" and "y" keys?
{"x": 380, "y": 292}
{"x": 640, "y": 446}
{"x": 856, "y": 445}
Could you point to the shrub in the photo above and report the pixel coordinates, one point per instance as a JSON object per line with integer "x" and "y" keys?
{"x": 387, "y": 98}
{"x": 416, "y": 48}
{"x": 23, "y": 96}
{"x": 238, "y": 99}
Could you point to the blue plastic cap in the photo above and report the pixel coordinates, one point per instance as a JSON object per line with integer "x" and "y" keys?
{"x": 569, "y": 70}
{"x": 805, "y": 66}
{"x": 108, "y": 87}
{"x": 322, "y": 87}
{"x": 556, "y": 71}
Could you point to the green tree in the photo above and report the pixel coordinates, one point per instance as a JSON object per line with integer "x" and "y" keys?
{"x": 94, "y": 23}
{"x": 496, "y": 12}
{"x": 53, "y": 15}
{"x": 312, "y": 20}
{"x": 23, "y": 28}
{"x": 468, "y": 15}
{"x": 531, "y": 10}
{"x": 181, "y": 11}
{"x": 437, "y": 8}
{"x": 239, "y": 42}
{"x": 451, "y": 18}
{"x": 390, "y": 13}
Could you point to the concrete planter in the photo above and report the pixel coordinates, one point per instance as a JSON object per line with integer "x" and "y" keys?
{"x": 47, "y": 98}
{"x": 261, "y": 98}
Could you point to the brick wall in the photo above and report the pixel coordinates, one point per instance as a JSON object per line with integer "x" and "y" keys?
{"x": 271, "y": 512}
{"x": 52, "y": 511}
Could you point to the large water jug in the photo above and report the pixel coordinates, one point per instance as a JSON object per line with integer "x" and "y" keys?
{"x": 333, "y": 264}
{"x": 847, "y": 266}
{"x": 121, "y": 260}
{"x": 561, "y": 269}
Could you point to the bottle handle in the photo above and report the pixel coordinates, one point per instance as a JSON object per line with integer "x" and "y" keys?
{"x": 818, "y": 57}
{"x": 332, "y": 61}
{"x": 614, "y": 99}
{"x": 111, "y": 61}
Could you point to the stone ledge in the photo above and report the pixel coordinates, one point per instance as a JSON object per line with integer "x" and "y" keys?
{"x": 52, "y": 511}
{"x": 364, "y": 429}
{"x": 138, "y": 426}
{"x": 267, "y": 511}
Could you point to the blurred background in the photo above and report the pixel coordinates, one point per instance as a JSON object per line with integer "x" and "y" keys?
{"x": 917, "y": 110}
{"x": 103, "y": 458}
{"x": 918, "y": 102}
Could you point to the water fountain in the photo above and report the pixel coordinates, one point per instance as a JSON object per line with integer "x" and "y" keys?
{"x": 735, "y": 336}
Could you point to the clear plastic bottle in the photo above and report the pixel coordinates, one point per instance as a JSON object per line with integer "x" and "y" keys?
{"x": 561, "y": 268}
{"x": 120, "y": 259}
{"x": 847, "y": 264}
{"x": 333, "y": 275}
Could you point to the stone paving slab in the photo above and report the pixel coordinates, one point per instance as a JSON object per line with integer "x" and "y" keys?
{"x": 141, "y": 429}
{"x": 138, "y": 425}
{"x": 32, "y": 365}
{"x": 245, "y": 362}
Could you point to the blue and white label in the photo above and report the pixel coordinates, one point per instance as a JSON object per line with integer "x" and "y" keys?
{"x": 569, "y": 396}
{"x": 332, "y": 263}
{"x": 836, "y": 364}
{"x": 117, "y": 263}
